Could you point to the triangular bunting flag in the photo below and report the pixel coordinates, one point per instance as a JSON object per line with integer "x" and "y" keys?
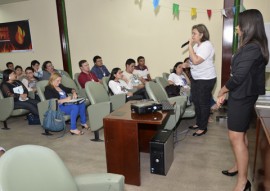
{"x": 209, "y": 13}
{"x": 224, "y": 12}
{"x": 233, "y": 9}
{"x": 193, "y": 12}
{"x": 175, "y": 9}
{"x": 155, "y": 3}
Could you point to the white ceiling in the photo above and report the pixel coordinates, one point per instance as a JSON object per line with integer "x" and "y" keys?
{"x": 9, "y": 1}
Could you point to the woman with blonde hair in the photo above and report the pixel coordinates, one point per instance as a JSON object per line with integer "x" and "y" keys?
{"x": 55, "y": 89}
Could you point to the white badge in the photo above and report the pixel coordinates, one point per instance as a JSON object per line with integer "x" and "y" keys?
{"x": 18, "y": 90}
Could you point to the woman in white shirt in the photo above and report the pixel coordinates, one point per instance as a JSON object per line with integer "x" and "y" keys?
{"x": 201, "y": 54}
{"x": 179, "y": 78}
{"x": 119, "y": 86}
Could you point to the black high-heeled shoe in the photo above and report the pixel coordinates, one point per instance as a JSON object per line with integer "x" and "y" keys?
{"x": 227, "y": 173}
{"x": 248, "y": 186}
{"x": 199, "y": 134}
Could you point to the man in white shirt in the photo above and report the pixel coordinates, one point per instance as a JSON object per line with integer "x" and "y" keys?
{"x": 132, "y": 80}
{"x": 141, "y": 70}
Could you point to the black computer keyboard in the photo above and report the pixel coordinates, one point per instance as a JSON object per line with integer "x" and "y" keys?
{"x": 166, "y": 105}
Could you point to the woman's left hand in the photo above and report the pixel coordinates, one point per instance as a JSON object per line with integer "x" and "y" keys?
{"x": 74, "y": 95}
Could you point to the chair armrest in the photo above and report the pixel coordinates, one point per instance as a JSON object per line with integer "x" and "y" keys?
{"x": 82, "y": 93}
{"x": 181, "y": 101}
{"x": 117, "y": 101}
{"x": 31, "y": 94}
{"x": 96, "y": 113}
{"x": 7, "y": 106}
{"x": 189, "y": 112}
{"x": 100, "y": 182}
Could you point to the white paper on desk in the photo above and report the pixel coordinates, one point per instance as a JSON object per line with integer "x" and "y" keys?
{"x": 18, "y": 90}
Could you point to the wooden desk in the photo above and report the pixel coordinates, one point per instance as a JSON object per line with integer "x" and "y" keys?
{"x": 126, "y": 134}
{"x": 263, "y": 120}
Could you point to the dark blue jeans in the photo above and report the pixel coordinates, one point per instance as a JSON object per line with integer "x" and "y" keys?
{"x": 74, "y": 110}
{"x": 201, "y": 91}
{"x": 30, "y": 104}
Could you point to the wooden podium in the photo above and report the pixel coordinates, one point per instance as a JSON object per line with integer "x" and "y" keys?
{"x": 126, "y": 135}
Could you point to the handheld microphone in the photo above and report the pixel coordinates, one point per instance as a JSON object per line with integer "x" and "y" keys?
{"x": 186, "y": 43}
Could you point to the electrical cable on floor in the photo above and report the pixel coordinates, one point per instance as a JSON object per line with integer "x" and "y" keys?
{"x": 184, "y": 132}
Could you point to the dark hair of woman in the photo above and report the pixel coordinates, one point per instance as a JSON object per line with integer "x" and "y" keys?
{"x": 44, "y": 65}
{"x": 175, "y": 66}
{"x": 6, "y": 74}
{"x": 251, "y": 24}
{"x": 34, "y": 62}
{"x": 112, "y": 77}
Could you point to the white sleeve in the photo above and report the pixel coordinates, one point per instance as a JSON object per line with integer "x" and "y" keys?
{"x": 172, "y": 77}
{"x": 205, "y": 50}
{"x": 25, "y": 83}
{"x": 115, "y": 87}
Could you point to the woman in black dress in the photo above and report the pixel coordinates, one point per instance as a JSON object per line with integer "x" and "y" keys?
{"x": 247, "y": 81}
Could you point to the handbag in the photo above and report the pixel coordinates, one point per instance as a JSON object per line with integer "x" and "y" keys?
{"x": 173, "y": 90}
{"x": 54, "y": 119}
{"x": 33, "y": 119}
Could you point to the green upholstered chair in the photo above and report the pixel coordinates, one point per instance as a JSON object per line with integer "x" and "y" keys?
{"x": 43, "y": 105}
{"x": 7, "y": 110}
{"x": 165, "y": 75}
{"x": 105, "y": 81}
{"x": 68, "y": 82}
{"x": 37, "y": 168}
{"x": 101, "y": 105}
{"x": 162, "y": 82}
{"x": 189, "y": 110}
{"x": 76, "y": 75}
{"x": 156, "y": 93}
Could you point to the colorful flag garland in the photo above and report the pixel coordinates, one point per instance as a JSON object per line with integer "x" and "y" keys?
{"x": 193, "y": 10}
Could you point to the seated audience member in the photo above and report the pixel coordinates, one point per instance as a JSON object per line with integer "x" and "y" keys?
{"x": 38, "y": 73}
{"x": 86, "y": 75}
{"x": 132, "y": 80}
{"x": 10, "y": 65}
{"x": 11, "y": 87}
{"x": 187, "y": 69}
{"x": 119, "y": 86}
{"x": 19, "y": 72}
{"x": 99, "y": 69}
{"x": 55, "y": 89}
{"x": 48, "y": 70}
{"x": 2, "y": 151}
{"x": 141, "y": 70}
{"x": 179, "y": 78}
{"x": 30, "y": 82}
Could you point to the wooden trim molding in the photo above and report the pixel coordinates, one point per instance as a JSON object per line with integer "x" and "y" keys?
{"x": 63, "y": 32}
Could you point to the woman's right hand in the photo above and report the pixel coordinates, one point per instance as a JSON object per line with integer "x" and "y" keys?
{"x": 221, "y": 99}
{"x": 23, "y": 96}
{"x": 64, "y": 100}
{"x": 129, "y": 94}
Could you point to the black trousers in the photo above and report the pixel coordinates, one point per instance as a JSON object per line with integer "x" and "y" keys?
{"x": 30, "y": 104}
{"x": 201, "y": 91}
{"x": 141, "y": 92}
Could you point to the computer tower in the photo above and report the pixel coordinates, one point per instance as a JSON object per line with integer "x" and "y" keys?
{"x": 161, "y": 152}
